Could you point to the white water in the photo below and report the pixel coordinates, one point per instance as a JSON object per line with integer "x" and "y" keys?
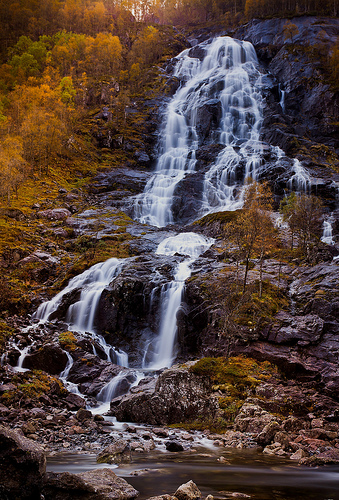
{"x": 327, "y": 236}
{"x": 300, "y": 180}
{"x": 282, "y": 98}
{"x": 227, "y": 77}
{"x": 192, "y": 245}
{"x": 81, "y": 315}
{"x": 23, "y": 353}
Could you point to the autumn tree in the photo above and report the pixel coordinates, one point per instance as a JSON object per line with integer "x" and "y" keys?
{"x": 103, "y": 54}
{"x": 290, "y": 30}
{"x": 252, "y": 231}
{"x": 13, "y": 168}
{"x": 305, "y": 216}
{"x": 41, "y": 118}
{"x": 148, "y": 48}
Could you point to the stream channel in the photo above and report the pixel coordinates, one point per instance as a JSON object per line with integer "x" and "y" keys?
{"x": 221, "y": 79}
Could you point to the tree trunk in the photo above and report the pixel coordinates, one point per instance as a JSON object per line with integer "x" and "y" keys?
{"x": 260, "y": 272}
{"x": 246, "y": 272}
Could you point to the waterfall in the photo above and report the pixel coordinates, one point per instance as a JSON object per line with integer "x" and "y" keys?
{"x": 300, "y": 180}
{"x": 219, "y": 102}
{"x": 327, "y": 236}
{"x": 282, "y": 98}
{"x": 191, "y": 245}
{"x": 80, "y": 316}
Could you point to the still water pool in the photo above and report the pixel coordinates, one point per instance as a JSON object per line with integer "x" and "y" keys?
{"x": 245, "y": 471}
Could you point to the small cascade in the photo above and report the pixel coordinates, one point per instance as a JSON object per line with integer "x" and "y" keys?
{"x": 327, "y": 236}
{"x": 192, "y": 245}
{"x": 111, "y": 389}
{"x": 222, "y": 88}
{"x": 300, "y": 181}
{"x": 81, "y": 315}
{"x": 90, "y": 285}
{"x": 23, "y": 353}
{"x": 282, "y": 98}
{"x": 118, "y": 385}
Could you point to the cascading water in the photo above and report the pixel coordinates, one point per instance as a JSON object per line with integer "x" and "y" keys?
{"x": 81, "y": 315}
{"x": 191, "y": 245}
{"x": 220, "y": 85}
{"x": 218, "y": 103}
{"x": 300, "y": 180}
{"x": 327, "y": 236}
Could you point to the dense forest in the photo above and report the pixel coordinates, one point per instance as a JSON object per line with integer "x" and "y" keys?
{"x": 51, "y": 50}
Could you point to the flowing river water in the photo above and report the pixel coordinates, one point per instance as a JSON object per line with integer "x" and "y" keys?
{"x": 225, "y": 77}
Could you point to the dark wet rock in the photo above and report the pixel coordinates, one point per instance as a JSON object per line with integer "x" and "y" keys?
{"x": 75, "y": 402}
{"x": 197, "y": 52}
{"x": 109, "y": 372}
{"x": 187, "y": 196}
{"x": 86, "y": 369}
{"x": 207, "y": 154}
{"x": 174, "y": 446}
{"x": 208, "y": 118}
{"x": 98, "y": 484}
{"x": 115, "y": 453}
{"x": 120, "y": 178}
{"x": 188, "y": 491}
{"x": 49, "y": 358}
{"x": 22, "y": 464}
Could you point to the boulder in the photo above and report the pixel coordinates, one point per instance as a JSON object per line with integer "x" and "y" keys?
{"x": 99, "y": 484}
{"x": 22, "y": 465}
{"x": 174, "y": 446}
{"x": 74, "y": 401}
{"x": 252, "y": 418}
{"x": 55, "y": 213}
{"x": 267, "y": 434}
{"x": 49, "y": 358}
{"x": 178, "y": 395}
{"x": 188, "y": 491}
{"x": 115, "y": 453}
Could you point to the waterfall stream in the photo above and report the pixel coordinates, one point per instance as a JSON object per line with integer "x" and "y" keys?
{"x": 219, "y": 101}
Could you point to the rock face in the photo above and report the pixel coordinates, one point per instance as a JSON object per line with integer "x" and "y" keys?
{"x": 22, "y": 465}
{"x": 299, "y": 111}
{"x": 177, "y": 395}
{"x": 128, "y": 310}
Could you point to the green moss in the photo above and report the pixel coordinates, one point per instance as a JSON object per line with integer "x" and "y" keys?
{"x": 32, "y": 385}
{"x": 68, "y": 341}
{"x": 221, "y": 217}
{"x": 5, "y": 333}
{"x": 236, "y": 378}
